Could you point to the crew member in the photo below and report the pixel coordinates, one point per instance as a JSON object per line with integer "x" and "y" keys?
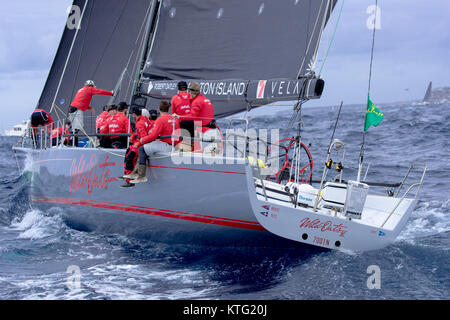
{"x": 164, "y": 126}
{"x": 202, "y": 112}
{"x": 181, "y": 105}
{"x": 153, "y": 115}
{"x": 100, "y": 127}
{"x": 143, "y": 128}
{"x": 101, "y": 119}
{"x": 57, "y": 134}
{"x": 81, "y": 103}
{"x": 38, "y": 118}
{"x": 117, "y": 123}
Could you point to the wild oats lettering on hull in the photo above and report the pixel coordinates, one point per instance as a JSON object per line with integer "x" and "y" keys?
{"x": 83, "y": 174}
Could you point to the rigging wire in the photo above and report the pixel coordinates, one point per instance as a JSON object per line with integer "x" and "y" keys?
{"x": 81, "y": 54}
{"x": 361, "y": 155}
{"x": 332, "y": 37}
{"x": 310, "y": 40}
{"x": 68, "y": 56}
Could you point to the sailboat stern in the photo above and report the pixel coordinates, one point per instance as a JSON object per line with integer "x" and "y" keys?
{"x": 382, "y": 218}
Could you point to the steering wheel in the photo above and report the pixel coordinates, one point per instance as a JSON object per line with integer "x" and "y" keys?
{"x": 290, "y": 142}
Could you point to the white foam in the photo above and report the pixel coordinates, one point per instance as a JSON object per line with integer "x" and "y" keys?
{"x": 36, "y": 225}
{"x": 429, "y": 219}
{"x": 28, "y": 164}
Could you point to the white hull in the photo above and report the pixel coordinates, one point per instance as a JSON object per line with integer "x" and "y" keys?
{"x": 18, "y": 130}
{"x": 381, "y": 221}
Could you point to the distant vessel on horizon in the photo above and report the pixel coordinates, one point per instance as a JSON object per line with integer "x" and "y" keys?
{"x": 436, "y": 96}
{"x": 18, "y": 130}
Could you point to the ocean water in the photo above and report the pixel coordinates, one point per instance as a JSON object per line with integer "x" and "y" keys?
{"x": 37, "y": 249}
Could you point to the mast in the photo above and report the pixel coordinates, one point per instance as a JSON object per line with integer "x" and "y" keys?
{"x": 149, "y": 32}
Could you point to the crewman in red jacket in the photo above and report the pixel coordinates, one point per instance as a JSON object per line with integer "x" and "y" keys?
{"x": 57, "y": 134}
{"x": 39, "y": 118}
{"x": 164, "y": 126}
{"x": 101, "y": 119}
{"x": 82, "y": 101}
{"x": 202, "y": 112}
{"x": 181, "y": 105}
{"x": 101, "y": 125}
{"x": 143, "y": 127}
{"x": 118, "y": 123}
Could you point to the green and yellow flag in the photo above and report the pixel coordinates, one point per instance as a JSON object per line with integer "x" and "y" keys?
{"x": 373, "y": 115}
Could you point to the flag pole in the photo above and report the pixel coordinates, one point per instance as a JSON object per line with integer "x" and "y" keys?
{"x": 361, "y": 154}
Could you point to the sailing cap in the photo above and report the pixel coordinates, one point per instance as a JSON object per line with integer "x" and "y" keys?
{"x": 122, "y": 106}
{"x": 112, "y": 107}
{"x": 89, "y": 83}
{"x": 182, "y": 85}
{"x": 194, "y": 86}
{"x": 145, "y": 113}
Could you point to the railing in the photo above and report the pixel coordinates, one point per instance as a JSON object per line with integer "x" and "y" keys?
{"x": 411, "y": 186}
{"x": 41, "y": 137}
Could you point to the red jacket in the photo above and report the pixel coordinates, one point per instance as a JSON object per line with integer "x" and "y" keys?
{"x": 143, "y": 127}
{"x": 181, "y": 103}
{"x": 59, "y": 132}
{"x": 100, "y": 122}
{"x": 163, "y": 127}
{"x": 201, "y": 110}
{"x": 118, "y": 123}
{"x": 84, "y": 96}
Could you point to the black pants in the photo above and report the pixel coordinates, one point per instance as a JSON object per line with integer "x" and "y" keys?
{"x": 188, "y": 126}
{"x": 105, "y": 142}
{"x": 129, "y": 160}
{"x": 119, "y": 142}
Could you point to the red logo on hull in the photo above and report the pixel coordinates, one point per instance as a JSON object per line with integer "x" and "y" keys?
{"x": 323, "y": 226}
{"x": 84, "y": 174}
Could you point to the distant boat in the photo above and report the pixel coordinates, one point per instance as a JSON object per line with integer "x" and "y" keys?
{"x": 436, "y": 96}
{"x": 18, "y": 130}
{"x": 428, "y": 93}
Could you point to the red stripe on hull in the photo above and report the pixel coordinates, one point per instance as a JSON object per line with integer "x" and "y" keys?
{"x": 158, "y": 212}
{"x": 193, "y": 169}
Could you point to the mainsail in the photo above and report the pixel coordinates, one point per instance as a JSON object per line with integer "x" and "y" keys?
{"x": 102, "y": 41}
{"x": 268, "y": 46}
{"x": 244, "y": 53}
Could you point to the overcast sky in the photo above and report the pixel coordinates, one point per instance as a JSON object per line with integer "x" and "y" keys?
{"x": 412, "y": 47}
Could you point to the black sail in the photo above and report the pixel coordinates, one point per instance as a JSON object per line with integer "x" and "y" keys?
{"x": 243, "y": 52}
{"x": 235, "y": 42}
{"x": 110, "y": 39}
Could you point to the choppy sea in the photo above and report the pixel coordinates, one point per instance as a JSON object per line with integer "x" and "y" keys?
{"x": 37, "y": 248}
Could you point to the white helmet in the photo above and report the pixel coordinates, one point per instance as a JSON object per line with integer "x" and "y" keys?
{"x": 145, "y": 113}
{"x": 89, "y": 83}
